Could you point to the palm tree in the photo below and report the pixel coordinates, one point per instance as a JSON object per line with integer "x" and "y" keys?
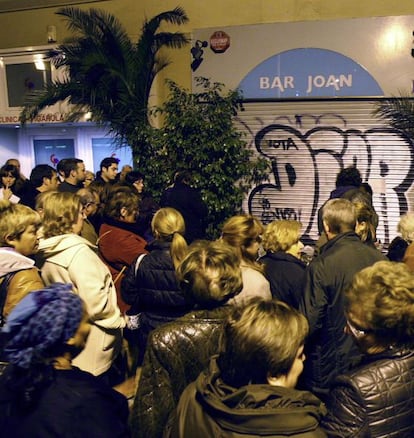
{"x": 108, "y": 74}
{"x": 398, "y": 112}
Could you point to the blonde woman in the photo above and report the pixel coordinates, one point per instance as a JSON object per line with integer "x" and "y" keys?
{"x": 283, "y": 267}
{"x": 376, "y": 399}
{"x": 150, "y": 285}
{"x": 18, "y": 240}
{"x": 69, "y": 258}
{"x": 399, "y": 245}
{"x": 244, "y": 234}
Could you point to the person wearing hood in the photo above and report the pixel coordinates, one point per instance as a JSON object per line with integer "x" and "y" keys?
{"x": 347, "y": 180}
{"x": 249, "y": 388}
{"x": 66, "y": 257}
{"x": 18, "y": 240}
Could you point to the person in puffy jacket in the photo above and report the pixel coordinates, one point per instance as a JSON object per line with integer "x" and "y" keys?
{"x": 18, "y": 240}
{"x": 150, "y": 285}
{"x": 249, "y": 388}
{"x": 377, "y": 398}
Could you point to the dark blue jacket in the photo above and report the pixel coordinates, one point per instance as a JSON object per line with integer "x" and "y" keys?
{"x": 286, "y": 275}
{"x": 153, "y": 292}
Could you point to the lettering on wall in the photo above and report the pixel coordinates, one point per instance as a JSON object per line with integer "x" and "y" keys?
{"x": 282, "y": 83}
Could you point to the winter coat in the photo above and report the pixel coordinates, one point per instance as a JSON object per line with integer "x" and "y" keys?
{"x": 408, "y": 258}
{"x": 374, "y": 400}
{"x": 254, "y": 285}
{"x": 119, "y": 244}
{"x": 286, "y": 275}
{"x": 75, "y": 404}
{"x": 69, "y": 258}
{"x": 176, "y": 354}
{"x": 210, "y": 408}
{"x": 26, "y": 278}
{"x": 329, "y": 351}
{"x": 153, "y": 292}
{"x": 187, "y": 200}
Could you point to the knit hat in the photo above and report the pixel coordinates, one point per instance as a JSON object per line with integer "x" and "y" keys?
{"x": 41, "y": 323}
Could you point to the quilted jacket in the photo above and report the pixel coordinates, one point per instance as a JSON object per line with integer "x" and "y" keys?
{"x": 26, "y": 278}
{"x": 177, "y": 352}
{"x": 375, "y": 400}
{"x": 153, "y": 291}
{"x": 329, "y": 351}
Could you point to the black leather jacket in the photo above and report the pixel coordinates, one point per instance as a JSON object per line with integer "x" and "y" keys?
{"x": 176, "y": 354}
{"x": 374, "y": 400}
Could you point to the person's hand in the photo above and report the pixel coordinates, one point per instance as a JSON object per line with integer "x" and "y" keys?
{"x": 7, "y": 193}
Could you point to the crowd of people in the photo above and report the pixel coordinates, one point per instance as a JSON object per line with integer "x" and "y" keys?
{"x": 238, "y": 336}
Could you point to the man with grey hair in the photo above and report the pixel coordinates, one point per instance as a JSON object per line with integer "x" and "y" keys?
{"x": 329, "y": 350}
{"x": 90, "y": 202}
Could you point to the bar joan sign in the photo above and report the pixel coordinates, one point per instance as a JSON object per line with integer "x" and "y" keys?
{"x": 308, "y": 73}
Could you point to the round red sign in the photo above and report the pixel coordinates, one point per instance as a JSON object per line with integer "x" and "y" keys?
{"x": 219, "y": 42}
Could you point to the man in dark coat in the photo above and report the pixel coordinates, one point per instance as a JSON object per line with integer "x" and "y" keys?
{"x": 329, "y": 350}
{"x": 75, "y": 174}
{"x": 43, "y": 178}
{"x": 187, "y": 200}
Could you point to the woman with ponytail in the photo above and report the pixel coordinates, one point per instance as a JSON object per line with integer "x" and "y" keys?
{"x": 150, "y": 285}
{"x": 376, "y": 399}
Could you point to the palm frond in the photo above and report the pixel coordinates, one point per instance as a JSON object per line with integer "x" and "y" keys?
{"x": 106, "y": 72}
{"x": 398, "y": 112}
{"x": 174, "y": 16}
{"x": 175, "y": 40}
{"x": 40, "y": 99}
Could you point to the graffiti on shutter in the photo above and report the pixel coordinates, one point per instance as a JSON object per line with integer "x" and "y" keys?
{"x": 308, "y": 142}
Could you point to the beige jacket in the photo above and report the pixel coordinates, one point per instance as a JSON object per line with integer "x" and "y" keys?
{"x": 71, "y": 259}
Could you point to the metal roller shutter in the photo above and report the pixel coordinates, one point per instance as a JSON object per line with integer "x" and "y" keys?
{"x": 309, "y": 142}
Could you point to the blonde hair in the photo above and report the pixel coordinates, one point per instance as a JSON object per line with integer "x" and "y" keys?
{"x": 384, "y": 294}
{"x": 15, "y": 218}
{"x": 406, "y": 227}
{"x": 240, "y": 232}
{"x": 168, "y": 225}
{"x": 261, "y": 339}
{"x": 210, "y": 274}
{"x": 60, "y": 213}
{"x": 281, "y": 235}
{"x": 365, "y": 213}
{"x": 40, "y": 199}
